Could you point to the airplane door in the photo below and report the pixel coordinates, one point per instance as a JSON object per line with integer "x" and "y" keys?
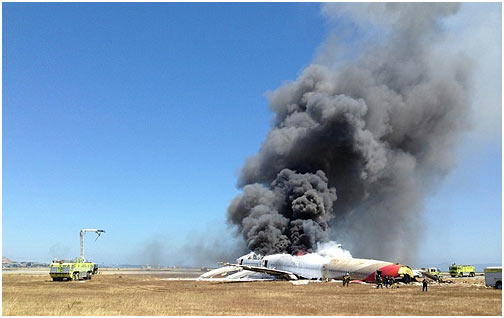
{"x": 265, "y": 263}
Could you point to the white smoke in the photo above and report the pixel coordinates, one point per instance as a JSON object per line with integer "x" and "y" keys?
{"x": 325, "y": 252}
{"x": 331, "y": 250}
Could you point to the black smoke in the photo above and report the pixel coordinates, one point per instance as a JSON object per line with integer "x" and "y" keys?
{"x": 292, "y": 214}
{"x": 378, "y": 131}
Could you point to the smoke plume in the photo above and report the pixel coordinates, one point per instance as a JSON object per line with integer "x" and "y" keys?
{"x": 356, "y": 146}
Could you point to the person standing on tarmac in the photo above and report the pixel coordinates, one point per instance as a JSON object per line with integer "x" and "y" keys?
{"x": 424, "y": 285}
{"x": 379, "y": 282}
{"x": 346, "y": 279}
{"x": 386, "y": 281}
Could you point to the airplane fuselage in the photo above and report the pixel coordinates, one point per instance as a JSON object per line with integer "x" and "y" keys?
{"x": 312, "y": 266}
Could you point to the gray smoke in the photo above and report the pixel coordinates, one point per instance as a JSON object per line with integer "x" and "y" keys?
{"x": 379, "y": 131}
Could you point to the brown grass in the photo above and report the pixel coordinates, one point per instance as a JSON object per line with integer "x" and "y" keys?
{"x": 150, "y": 295}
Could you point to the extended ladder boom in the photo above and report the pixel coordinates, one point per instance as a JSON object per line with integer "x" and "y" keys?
{"x": 99, "y": 232}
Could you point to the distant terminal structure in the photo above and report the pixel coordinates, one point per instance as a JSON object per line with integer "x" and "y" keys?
{"x": 14, "y": 264}
{"x": 77, "y": 269}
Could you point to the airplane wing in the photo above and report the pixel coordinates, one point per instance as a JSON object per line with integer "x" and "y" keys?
{"x": 270, "y": 271}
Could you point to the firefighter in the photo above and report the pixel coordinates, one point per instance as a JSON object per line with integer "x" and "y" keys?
{"x": 424, "y": 285}
{"x": 386, "y": 281}
{"x": 379, "y": 281}
{"x": 346, "y": 279}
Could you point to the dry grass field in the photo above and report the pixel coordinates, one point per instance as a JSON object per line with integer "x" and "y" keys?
{"x": 152, "y": 295}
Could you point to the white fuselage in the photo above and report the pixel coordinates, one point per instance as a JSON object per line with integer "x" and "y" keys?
{"x": 315, "y": 266}
{"x": 309, "y": 267}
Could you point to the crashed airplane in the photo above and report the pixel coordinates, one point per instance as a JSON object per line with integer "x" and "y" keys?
{"x": 308, "y": 266}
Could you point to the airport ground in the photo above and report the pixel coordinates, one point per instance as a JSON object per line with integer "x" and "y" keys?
{"x": 174, "y": 292}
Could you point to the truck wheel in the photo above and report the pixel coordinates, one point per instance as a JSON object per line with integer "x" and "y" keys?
{"x": 76, "y": 276}
{"x": 461, "y": 274}
{"x": 471, "y": 274}
{"x": 498, "y": 285}
{"x": 89, "y": 275}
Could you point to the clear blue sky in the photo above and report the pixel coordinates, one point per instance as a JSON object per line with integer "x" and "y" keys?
{"x": 136, "y": 118}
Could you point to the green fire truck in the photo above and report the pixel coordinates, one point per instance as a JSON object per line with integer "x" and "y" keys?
{"x": 77, "y": 269}
{"x": 461, "y": 270}
{"x": 72, "y": 270}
